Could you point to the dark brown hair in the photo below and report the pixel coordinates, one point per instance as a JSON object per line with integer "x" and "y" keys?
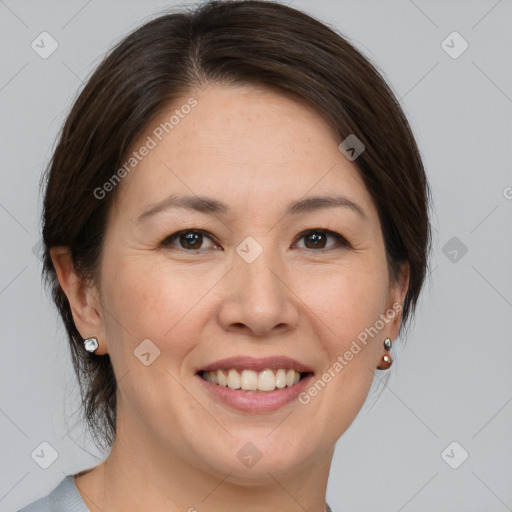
{"x": 260, "y": 43}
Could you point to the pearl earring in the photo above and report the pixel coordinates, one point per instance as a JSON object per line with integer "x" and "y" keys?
{"x": 386, "y": 360}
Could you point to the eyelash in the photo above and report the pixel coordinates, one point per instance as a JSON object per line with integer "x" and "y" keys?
{"x": 342, "y": 242}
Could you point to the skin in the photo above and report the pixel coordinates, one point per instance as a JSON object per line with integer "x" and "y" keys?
{"x": 176, "y": 446}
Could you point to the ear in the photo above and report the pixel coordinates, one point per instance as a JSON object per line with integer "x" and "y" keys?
{"x": 396, "y": 297}
{"x": 83, "y": 298}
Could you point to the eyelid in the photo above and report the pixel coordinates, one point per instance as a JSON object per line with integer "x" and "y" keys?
{"x": 166, "y": 242}
{"x": 342, "y": 241}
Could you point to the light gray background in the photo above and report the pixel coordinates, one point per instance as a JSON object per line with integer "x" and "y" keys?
{"x": 453, "y": 382}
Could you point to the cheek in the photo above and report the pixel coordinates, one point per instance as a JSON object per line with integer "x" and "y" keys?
{"x": 346, "y": 300}
{"x": 149, "y": 299}
{"x": 348, "y": 306}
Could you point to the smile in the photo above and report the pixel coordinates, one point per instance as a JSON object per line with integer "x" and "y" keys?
{"x": 251, "y": 380}
{"x": 255, "y": 385}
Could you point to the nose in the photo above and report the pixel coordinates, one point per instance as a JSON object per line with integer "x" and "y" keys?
{"x": 258, "y": 298}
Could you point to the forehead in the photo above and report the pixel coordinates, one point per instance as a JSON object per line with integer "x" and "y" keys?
{"x": 248, "y": 147}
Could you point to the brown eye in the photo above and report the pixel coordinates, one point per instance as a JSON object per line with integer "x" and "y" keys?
{"x": 190, "y": 240}
{"x": 318, "y": 238}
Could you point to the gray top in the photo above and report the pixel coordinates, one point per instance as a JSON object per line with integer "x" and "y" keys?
{"x": 66, "y": 498}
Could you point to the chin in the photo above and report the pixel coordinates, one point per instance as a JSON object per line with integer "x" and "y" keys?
{"x": 253, "y": 464}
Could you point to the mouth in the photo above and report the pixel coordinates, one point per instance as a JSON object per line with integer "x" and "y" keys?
{"x": 247, "y": 380}
{"x": 255, "y": 385}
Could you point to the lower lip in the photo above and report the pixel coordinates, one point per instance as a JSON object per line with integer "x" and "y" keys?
{"x": 259, "y": 402}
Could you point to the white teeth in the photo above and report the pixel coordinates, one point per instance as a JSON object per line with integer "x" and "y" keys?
{"x": 233, "y": 379}
{"x": 249, "y": 380}
{"x": 221, "y": 377}
{"x": 280, "y": 378}
{"x": 267, "y": 380}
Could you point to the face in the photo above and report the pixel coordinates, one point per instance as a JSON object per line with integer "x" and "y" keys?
{"x": 247, "y": 276}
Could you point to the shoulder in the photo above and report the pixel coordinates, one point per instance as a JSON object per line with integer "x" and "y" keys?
{"x": 64, "y": 498}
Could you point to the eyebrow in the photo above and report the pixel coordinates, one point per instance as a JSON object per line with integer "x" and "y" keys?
{"x": 213, "y": 207}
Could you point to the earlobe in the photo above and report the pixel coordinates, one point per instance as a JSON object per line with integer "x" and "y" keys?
{"x": 82, "y": 297}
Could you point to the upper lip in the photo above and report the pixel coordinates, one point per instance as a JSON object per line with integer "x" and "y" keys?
{"x": 256, "y": 364}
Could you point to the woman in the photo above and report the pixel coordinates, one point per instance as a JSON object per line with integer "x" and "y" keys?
{"x": 236, "y": 230}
